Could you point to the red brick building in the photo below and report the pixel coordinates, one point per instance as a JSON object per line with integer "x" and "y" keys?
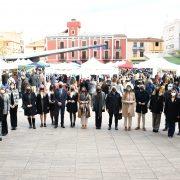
{"x": 116, "y": 44}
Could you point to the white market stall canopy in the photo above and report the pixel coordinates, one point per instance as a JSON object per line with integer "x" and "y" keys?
{"x": 158, "y": 63}
{"x": 94, "y": 67}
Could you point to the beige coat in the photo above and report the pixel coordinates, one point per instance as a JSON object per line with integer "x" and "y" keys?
{"x": 128, "y": 104}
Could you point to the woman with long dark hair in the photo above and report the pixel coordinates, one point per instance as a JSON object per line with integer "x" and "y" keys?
{"x": 14, "y": 100}
{"x": 52, "y": 103}
{"x": 42, "y": 103}
{"x": 71, "y": 105}
{"x": 6, "y": 107}
{"x": 172, "y": 111}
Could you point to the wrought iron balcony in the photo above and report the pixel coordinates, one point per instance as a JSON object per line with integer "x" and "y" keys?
{"x": 136, "y": 48}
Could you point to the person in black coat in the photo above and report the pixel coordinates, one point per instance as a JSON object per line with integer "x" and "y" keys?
{"x": 1, "y": 115}
{"x": 142, "y": 99}
{"x": 113, "y": 106}
{"x": 98, "y": 103}
{"x": 72, "y": 107}
{"x": 156, "y": 107}
{"x": 42, "y": 103}
{"x": 167, "y": 95}
{"x": 60, "y": 104}
{"x": 172, "y": 111}
{"x": 52, "y": 103}
{"x": 29, "y": 105}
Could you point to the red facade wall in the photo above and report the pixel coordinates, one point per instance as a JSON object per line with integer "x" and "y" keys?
{"x": 123, "y": 48}
{"x": 51, "y": 44}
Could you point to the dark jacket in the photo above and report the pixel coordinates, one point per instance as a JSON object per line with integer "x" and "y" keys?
{"x": 143, "y": 97}
{"x": 34, "y": 81}
{"x": 167, "y": 95}
{"x": 172, "y": 109}
{"x": 27, "y": 100}
{"x": 72, "y": 106}
{"x": 60, "y": 97}
{"x": 113, "y": 103}
{"x": 42, "y": 104}
{"x": 98, "y": 106}
{"x": 156, "y": 103}
{"x": 1, "y": 107}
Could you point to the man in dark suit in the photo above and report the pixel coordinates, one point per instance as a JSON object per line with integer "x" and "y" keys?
{"x": 113, "y": 106}
{"x": 60, "y": 101}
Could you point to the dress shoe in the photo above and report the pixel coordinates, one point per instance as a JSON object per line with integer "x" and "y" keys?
{"x": 0, "y": 138}
{"x": 4, "y": 134}
{"x": 63, "y": 126}
{"x": 165, "y": 129}
{"x": 178, "y": 134}
{"x": 13, "y": 128}
{"x": 109, "y": 128}
{"x": 41, "y": 125}
{"x": 45, "y": 125}
{"x": 73, "y": 124}
{"x": 116, "y": 128}
{"x": 137, "y": 128}
{"x": 55, "y": 126}
{"x": 144, "y": 129}
{"x": 170, "y": 136}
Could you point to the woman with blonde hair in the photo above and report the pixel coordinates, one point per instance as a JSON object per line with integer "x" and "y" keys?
{"x": 156, "y": 107}
{"x": 84, "y": 107}
{"x": 128, "y": 106}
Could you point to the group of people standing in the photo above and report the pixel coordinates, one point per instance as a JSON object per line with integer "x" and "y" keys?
{"x": 120, "y": 98}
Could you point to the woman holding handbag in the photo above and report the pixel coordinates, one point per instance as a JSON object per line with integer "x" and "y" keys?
{"x": 128, "y": 107}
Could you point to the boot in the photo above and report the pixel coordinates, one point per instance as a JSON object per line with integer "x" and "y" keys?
{"x": 33, "y": 122}
{"x": 30, "y": 123}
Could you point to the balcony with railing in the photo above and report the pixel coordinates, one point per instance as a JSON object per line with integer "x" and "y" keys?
{"x": 138, "y": 48}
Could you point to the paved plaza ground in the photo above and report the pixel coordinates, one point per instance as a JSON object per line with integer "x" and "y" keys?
{"x": 72, "y": 154}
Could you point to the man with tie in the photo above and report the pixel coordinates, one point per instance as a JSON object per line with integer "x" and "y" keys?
{"x": 60, "y": 101}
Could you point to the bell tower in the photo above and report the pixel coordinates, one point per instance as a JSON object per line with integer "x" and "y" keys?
{"x": 73, "y": 27}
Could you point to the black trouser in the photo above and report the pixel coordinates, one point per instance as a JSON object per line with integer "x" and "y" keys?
{"x": 110, "y": 119}
{"x": 62, "y": 109}
{"x": 98, "y": 120}
{"x": 0, "y": 128}
{"x": 171, "y": 129}
{"x": 4, "y": 125}
{"x": 13, "y": 116}
{"x": 166, "y": 122}
{"x": 72, "y": 117}
{"x": 52, "y": 114}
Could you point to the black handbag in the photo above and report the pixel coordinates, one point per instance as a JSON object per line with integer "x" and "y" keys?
{"x": 119, "y": 116}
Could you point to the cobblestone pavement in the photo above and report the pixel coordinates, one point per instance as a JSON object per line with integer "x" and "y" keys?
{"x": 72, "y": 154}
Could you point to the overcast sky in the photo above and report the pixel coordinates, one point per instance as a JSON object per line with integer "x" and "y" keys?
{"x": 135, "y": 18}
